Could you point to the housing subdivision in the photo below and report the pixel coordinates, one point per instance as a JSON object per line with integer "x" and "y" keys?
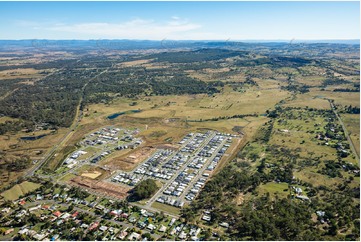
{"x": 182, "y": 172}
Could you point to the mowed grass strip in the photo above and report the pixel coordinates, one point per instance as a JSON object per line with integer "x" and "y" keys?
{"x": 19, "y": 190}
{"x": 280, "y": 189}
{"x": 166, "y": 208}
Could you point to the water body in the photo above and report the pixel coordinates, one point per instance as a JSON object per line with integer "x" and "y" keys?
{"x": 115, "y": 115}
{"x": 33, "y": 137}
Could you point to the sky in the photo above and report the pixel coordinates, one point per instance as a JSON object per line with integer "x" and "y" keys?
{"x": 180, "y": 20}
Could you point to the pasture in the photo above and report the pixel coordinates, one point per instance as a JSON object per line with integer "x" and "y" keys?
{"x": 19, "y": 190}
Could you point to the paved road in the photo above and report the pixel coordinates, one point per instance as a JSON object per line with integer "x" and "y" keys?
{"x": 344, "y": 130}
{"x": 160, "y": 191}
{"x": 201, "y": 171}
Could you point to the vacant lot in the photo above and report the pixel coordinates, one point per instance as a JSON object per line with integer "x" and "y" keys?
{"x": 129, "y": 161}
{"x": 105, "y": 188}
{"x": 91, "y": 174}
{"x": 166, "y": 208}
{"x": 19, "y": 190}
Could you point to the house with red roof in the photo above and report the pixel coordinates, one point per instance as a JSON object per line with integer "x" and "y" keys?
{"x": 57, "y": 214}
{"x": 94, "y": 226}
{"x": 45, "y": 207}
{"x": 74, "y": 215}
{"x": 22, "y": 202}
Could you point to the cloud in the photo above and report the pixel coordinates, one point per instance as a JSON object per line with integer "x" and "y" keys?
{"x": 134, "y": 29}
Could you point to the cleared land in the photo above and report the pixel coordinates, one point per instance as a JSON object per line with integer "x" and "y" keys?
{"x": 92, "y": 174}
{"x": 128, "y": 161}
{"x": 105, "y": 188}
{"x": 19, "y": 190}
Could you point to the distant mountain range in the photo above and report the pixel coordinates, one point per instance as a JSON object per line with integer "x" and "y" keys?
{"x": 125, "y": 44}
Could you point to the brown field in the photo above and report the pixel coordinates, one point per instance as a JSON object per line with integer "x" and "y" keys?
{"x": 128, "y": 161}
{"x": 91, "y": 174}
{"x": 105, "y": 188}
{"x": 194, "y": 107}
{"x": 310, "y": 100}
{"x": 134, "y": 63}
{"x": 341, "y": 98}
{"x": 20, "y": 73}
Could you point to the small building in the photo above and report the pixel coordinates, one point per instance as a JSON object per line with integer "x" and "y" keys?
{"x": 182, "y": 235}
{"x": 303, "y": 198}
{"x": 94, "y": 226}
{"x": 103, "y": 228}
{"x": 9, "y": 231}
{"x": 224, "y": 224}
{"x": 162, "y": 228}
{"x": 57, "y": 214}
{"x": 134, "y": 236}
{"x": 206, "y": 218}
{"x": 22, "y": 202}
{"x": 123, "y": 234}
{"x": 151, "y": 227}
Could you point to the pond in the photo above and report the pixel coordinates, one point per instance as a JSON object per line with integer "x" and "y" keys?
{"x": 33, "y": 137}
{"x": 115, "y": 115}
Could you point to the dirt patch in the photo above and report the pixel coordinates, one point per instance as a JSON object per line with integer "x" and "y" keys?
{"x": 168, "y": 147}
{"x": 240, "y": 199}
{"x": 91, "y": 174}
{"x": 106, "y": 188}
{"x": 129, "y": 161}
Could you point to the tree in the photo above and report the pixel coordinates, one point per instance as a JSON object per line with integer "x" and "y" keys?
{"x": 144, "y": 189}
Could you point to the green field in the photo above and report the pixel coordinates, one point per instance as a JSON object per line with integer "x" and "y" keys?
{"x": 279, "y": 189}
{"x": 19, "y": 190}
{"x": 166, "y": 208}
{"x": 352, "y": 122}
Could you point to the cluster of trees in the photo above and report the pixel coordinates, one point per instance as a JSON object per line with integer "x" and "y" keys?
{"x": 201, "y": 55}
{"x": 53, "y": 100}
{"x": 334, "y": 81}
{"x": 296, "y": 88}
{"x": 226, "y": 117}
{"x": 145, "y": 189}
{"x": 280, "y": 219}
{"x": 16, "y": 164}
{"x": 346, "y": 90}
{"x": 13, "y": 126}
{"x": 182, "y": 85}
{"x": 274, "y": 61}
{"x": 264, "y": 133}
{"x": 266, "y": 217}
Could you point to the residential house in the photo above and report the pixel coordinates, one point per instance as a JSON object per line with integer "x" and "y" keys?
{"x": 134, "y": 236}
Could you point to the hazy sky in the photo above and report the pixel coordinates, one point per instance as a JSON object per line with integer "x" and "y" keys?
{"x": 180, "y": 20}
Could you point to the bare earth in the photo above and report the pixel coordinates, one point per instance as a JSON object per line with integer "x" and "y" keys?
{"x": 128, "y": 162}
{"x": 105, "y": 188}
